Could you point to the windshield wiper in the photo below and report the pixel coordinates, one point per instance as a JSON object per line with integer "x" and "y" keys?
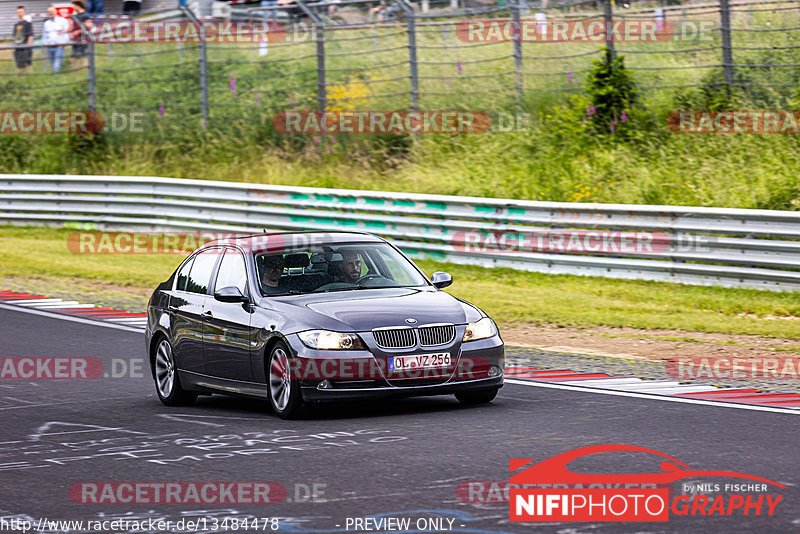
{"x": 334, "y": 290}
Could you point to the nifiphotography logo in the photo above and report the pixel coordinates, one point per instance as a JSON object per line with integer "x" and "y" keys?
{"x": 548, "y": 491}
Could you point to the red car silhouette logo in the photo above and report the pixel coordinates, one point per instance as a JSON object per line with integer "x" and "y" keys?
{"x": 554, "y": 470}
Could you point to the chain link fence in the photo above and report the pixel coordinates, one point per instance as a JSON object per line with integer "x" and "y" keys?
{"x": 357, "y": 55}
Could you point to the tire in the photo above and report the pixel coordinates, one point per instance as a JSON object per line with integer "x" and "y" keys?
{"x": 165, "y": 373}
{"x": 477, "y": 397}
{"x": 283, "y": 391}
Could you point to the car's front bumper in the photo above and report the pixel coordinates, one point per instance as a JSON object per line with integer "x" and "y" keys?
{"x": 479, "y": 366}
{"x": 313, "y": 394}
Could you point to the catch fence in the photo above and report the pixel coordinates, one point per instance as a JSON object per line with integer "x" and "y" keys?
{"x": 350, "y": 56}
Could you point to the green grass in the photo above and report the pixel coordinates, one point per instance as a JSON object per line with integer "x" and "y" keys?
{"x": 510, "y": 296}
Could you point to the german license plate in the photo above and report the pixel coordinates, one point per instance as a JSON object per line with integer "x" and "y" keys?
{"x": 420, "y": 361}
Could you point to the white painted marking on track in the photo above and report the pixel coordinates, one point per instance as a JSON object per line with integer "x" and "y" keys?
{"x": 637, "y": 395}
{"x": 25, "y": 301}
{"x": 676, "y": 390}
{"x": 53, "y": 305}
{"x": 52, "y": 315}
{"x": 610, "y": 382}
{"x": 77, "y": 306}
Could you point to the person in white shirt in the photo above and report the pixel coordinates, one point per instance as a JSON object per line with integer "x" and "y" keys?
{"x": 55, "y": 37}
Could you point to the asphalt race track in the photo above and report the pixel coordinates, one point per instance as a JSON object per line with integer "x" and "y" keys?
{"x": 400, "y": 459}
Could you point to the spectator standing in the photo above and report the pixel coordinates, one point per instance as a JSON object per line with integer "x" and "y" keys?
{"x": 131, "y": 7}
{"x": 96, "y": 8}
{"x": 55, "y": 37}
{"x": 23, "y": 35}
{"x": 80, "y": 48}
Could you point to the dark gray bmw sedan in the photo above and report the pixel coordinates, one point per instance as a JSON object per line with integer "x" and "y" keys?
{"x": 308, "y": 317}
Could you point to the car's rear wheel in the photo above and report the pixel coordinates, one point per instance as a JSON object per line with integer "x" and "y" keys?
{"x": 168, "y": 384}
{"x": 477, "y": 397}
{"x": 283, "y": 390}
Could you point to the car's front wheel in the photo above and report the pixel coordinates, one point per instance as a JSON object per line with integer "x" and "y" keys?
{"x": 165, "y": 372}
{"x": 284, "y": 391}
{"x": 477, "y": 397}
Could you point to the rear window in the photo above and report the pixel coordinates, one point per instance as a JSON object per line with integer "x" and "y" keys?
{"x": 183, "y": 275}
{"x": 200, "y": 275}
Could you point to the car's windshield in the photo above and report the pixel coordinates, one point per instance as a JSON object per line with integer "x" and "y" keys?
{"x": 331, "y": 267}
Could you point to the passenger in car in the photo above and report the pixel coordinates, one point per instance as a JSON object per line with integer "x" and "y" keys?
{"x": 271, "y": 272}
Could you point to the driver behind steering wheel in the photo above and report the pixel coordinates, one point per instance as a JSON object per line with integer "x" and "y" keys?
{"x": 350, "y": 267}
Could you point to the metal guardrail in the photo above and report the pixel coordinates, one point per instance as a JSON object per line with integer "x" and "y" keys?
{"x": 691, "y": 245}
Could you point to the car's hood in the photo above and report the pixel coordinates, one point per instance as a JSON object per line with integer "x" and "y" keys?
{"x": 363, "y": 310}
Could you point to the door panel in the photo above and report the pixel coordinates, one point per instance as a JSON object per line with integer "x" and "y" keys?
{"x": 228, "y": 333}
{"x": 186, "y": 306}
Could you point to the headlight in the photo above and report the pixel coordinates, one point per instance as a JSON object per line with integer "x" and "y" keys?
{"x": 325, "y": 340}
{"x": 480, "y": 330}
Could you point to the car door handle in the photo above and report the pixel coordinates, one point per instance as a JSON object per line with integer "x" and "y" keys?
{"x": 208, "y": 314}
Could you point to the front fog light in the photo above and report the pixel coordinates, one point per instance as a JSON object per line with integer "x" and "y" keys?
{"x": 325, "y": 384}
{"x": 495, "y": 371}
{"x": 480, "y": 330}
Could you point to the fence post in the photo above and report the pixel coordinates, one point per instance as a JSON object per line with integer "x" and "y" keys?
{"x": 608, "y": 19}
{"x": 516, "y": 15}
{"x": 727, "y": 49}
{"x": 91, "y": 78}
{"x": 203, "y": 66}
{"x": 412, "y": 52}
{"x": 319, "y": 37}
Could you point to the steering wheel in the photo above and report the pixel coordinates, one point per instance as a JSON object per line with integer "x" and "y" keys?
{"x": 366, "y": 277}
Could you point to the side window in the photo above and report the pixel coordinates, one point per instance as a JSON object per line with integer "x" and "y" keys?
{"x": 232, "y": 272}
{"x": 183, "y": 275}
{"x": 201, "y": 271}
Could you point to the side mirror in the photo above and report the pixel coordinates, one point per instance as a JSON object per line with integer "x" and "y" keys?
{"x": 229, "y": 294}
{"x": 441, "y": 279}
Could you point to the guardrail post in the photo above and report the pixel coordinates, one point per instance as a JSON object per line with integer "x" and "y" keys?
{"x": 412, "y": 52}
{"x": 608, "y": 20}
{"x": 518, "y": 76}
{"x": 203, "y": 66}
{"x": 319, "y": 38}
{"x": 727, "y": 48}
